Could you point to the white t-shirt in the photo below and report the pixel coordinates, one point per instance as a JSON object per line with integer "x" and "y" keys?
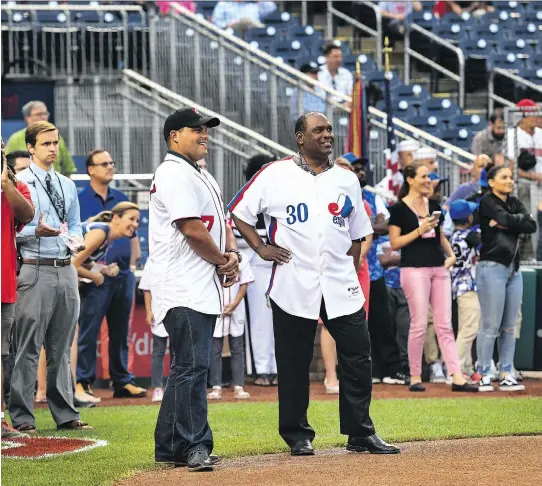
{"x": 179, "y": 277}
{"x": 316, "y": 218}
{"x": 157, "y": 328}
{"x": 525, "y": 140}
{"x": 234, "y": 325}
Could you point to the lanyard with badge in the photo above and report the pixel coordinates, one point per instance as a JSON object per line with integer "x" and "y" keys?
{"x": 61, "y": 213}
{"x": 431, "y": 233}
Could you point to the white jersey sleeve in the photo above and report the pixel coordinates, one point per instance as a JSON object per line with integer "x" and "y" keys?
{"x": 144, "y": 283}
{"x": 245, "y": 272}
{"x": 251, "y": 199}
{"x": 359, "y": 223}
{"x": 178, "y": 193}
{"x": 381, "y": 207}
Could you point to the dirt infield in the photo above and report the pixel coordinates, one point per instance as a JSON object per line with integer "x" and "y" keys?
{"x": 269, "y": 394}
{"x": 491, "y": 462}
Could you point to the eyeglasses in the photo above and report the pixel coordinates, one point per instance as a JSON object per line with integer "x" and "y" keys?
{"x": 105, "y": 164}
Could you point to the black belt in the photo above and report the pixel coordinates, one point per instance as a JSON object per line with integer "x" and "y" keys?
{"x": 51, "y": 262}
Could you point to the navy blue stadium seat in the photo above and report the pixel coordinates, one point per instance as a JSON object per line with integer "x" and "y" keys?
{"x": 366, "y": 63}
{"x": 378, "y": 77}
{"x": 535, "y": 60}
{"x": 413, "y": 93}
{"x": 518, "y": 46}
{"x": 206, "y": 8}
{"x": 442, "y": 108}
{"x": 84, "y": 16}
{"x": 283, "y": 48}
{"x": 303, "y": 33}
{"x": 55, "y": 17}
{"x": 401, "y": 109}
{"x": 533, "y": 14}
{"x": 505, "y": 61}
{"x": 277, "y": 18}
{"x": 424, "y": 19}
{"x": 475, "y": 48}
{"x": 491, "y": 32}
{"x": 529, "y": 32}
{"x": 532, "y": 75}
{"x": 451, "y": 32}
{"x": 460, "y": 137}
{"x": 514, "y": 9}
{"x": 428, "y": 124}
{"x": 471, "y": 122}
{"x": 268, "y": 34}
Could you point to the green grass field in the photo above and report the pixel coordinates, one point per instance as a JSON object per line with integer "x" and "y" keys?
{"x": 251, "y": 428}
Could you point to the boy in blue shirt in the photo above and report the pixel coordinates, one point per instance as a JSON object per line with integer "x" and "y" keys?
{"x": 466, "y": 242}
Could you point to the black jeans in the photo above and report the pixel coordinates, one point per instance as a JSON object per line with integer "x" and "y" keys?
{"x": 384, "y": 349}
{"x": 294, "y": 343}
{"x": 182, "y": 421}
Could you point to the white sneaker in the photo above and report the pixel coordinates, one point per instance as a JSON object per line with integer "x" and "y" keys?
{"x": 494, "y": 372}
{"x": 239, "y": 393}
{"x": 436, "y": 373}
{"x": 215, "y": 393}
{"x": 485, "y": 384}
{"x": 157, "y": 395}
{"x": 509, "y": 383}
{"x": 376, "y": 380}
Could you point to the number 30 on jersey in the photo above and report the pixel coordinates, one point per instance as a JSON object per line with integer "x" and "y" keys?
{"x": 297, "y": 213}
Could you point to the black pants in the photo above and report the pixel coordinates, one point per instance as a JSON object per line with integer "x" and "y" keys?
{"x": 294, "y": 343}
{"x": 384, "y": 348}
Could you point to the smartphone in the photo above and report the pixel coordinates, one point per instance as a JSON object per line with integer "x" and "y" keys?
{"x": 436, "y": 214}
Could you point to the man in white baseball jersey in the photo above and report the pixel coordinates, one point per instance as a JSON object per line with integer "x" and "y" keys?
{"x": 189, "y": 263}
{"x": 315, "y": 222}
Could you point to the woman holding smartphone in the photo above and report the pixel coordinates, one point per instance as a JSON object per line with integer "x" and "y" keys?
{"x": 99, "y": 232}
{"x": 503, "y": 218}
{"x": 426, "y": 256}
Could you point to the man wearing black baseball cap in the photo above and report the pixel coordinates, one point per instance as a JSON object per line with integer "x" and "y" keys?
{"x": 188, "y": 263}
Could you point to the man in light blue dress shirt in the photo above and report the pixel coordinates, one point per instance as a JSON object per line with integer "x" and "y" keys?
{"x": 48, "y": 298}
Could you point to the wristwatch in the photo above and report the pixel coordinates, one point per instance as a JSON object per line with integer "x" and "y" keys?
{"x": 239, "y": 257}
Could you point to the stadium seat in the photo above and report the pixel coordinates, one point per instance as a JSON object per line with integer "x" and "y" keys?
{"x": 529, "y": 32}
{"x": 452, "y": 32}
{"x": 514, "y": 9}
{"x": 366, "y": 63}
{"x": 475, "y": 48}
{"x": 491, "y": 32}
{"x": 413, "y": 93}
{"x": 55, "y": 17}
{"x": 425, "y": 19}
{"x": 303, "y": 33}
{"x": 518, "y": 46}
{"x": 442, "y": 108}
{"x": 262, "y": 35}
{"x": 532, "y": 75}
{"x": 400, "y": 108}
{"x": 277, "y": 18}
{"x": 378, "y": 77}
{"x": 470, "y": 122}
{"x": 460, "y": 137}
{"x": 534, "y": 61}
{"x": 428, "y": 124}
{"x": 533, "y": 14}
{"x": 85, "y": 16}
{"x": 505, "y": 61}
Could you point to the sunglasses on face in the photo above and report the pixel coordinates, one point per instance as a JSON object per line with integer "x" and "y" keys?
{"x": 105, "y": 164}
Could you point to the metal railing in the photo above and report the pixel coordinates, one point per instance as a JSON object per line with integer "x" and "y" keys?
{"x": 126, "y": 116}
{"x": 220, "y": 71}
{"x": 492, "y": 97}
{"x": 377, "y": 34}
{"x": 409, "y": 52}
{"x": 70, "y": 47}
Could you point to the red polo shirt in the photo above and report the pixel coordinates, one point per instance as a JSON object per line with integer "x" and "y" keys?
{"x": 9, "y": 251}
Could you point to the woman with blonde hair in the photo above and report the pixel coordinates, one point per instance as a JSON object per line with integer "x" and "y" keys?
{"x": 99, "y": 232}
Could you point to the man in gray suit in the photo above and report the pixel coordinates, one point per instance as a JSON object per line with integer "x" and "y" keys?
{"x": 48, "y": 297}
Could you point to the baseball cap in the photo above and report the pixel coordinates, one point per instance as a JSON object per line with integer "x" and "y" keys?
{"x": 425, "y": 153}
{"x": 483, "y": 178}
{"x": 310, "y": 67}
{"x": 187, "y": 117}
{"x": 526, "y": 105}
{"x": 351, "y": 157}
{"x": 408, "y": 146}
{"x": 435, "y": 177}
{"x": 461, "y": 209}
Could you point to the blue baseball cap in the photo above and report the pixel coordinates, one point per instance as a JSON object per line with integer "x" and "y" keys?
{"x": 435, "y": 177}
{"x": 483, "y": 178}
{"x": 461, "y": 209}
{"x": 353, "y": 158}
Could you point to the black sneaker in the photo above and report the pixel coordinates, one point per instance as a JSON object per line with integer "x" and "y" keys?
{"x": 198, "y": 459}
{"x": 215, "y": 461}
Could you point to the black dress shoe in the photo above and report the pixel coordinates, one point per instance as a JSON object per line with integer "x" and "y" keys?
{"x": 215, "y": 461}
{"x": 372, "y": 444}
{"x": 417, "y": 387}
{"x": 302, "y": 448}
{"x": 465, "y": 387}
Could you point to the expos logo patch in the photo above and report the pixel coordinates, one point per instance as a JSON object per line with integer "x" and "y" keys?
{"x": 42, "y": 447}
{"x": 341, "y": 209}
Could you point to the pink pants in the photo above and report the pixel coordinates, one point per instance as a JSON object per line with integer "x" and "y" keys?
{"x": 421, "y": 286}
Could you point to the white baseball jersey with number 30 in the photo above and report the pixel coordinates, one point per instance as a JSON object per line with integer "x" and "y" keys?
{"x": 178, "y": 276}
{"x": 316, "y": 218}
